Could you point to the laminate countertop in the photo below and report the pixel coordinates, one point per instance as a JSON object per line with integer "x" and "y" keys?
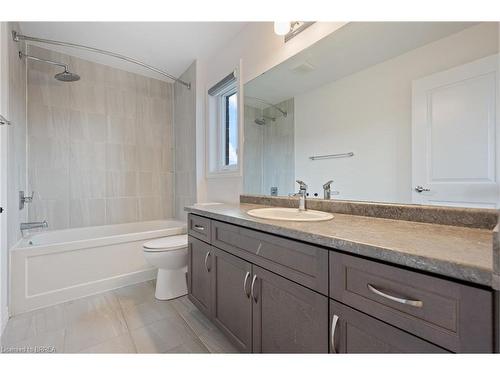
{"x": 457, "y": 252}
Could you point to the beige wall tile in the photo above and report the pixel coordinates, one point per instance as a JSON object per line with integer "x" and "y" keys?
{"x": 101, "y": 146}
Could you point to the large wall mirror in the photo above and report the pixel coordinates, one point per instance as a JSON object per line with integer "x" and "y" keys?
{"x": 402, "y": 112}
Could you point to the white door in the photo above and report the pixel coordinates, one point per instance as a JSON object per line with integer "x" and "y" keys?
{"x": 4, "y": 79}
{"x": 455, "y": 135}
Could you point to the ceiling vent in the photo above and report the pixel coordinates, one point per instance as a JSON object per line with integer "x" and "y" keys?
{"x": 303, "y": 68}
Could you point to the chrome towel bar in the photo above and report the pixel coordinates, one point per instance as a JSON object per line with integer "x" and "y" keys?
{"x": 332, "y": 156}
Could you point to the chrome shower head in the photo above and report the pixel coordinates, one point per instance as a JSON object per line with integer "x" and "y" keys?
{"x": 263, "y": 120}
{"x": 67, "y": 76}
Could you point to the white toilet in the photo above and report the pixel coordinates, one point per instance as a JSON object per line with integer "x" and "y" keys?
{"x": 170, "y": 255}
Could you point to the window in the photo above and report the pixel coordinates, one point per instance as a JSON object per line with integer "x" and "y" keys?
{"x": 229, "y": 129}
{"x": 223, "y": 141}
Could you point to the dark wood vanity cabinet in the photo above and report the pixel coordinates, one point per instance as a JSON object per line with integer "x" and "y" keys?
{"x": 199, "y": 274}
{"x": 232, "y": 305}
{"x": 270, "y": 294}
{"x": 287, "y": 317}
{"x": 355, "y": 332}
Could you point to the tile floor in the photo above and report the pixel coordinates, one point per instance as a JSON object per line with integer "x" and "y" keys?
{"x": 126, "y": 320}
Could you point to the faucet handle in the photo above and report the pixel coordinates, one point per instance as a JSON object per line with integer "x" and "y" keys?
{"x": 303, "y": 185}
{"x": 326, "y": 185}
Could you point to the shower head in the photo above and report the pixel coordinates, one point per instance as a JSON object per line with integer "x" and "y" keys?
{"x": 263, "y": 120}
{"x": 67, "y": 76}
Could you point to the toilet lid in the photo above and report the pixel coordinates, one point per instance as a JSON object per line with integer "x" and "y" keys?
{"x": 167, "y": 243}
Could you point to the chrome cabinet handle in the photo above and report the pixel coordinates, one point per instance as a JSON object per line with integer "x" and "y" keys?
{"x": 404, "y": 301}
{"x": 420, "y": 189}
{"x": 206, "y": 260}
{"x": 335, "y": 320}
{"x": 245, "y": 284}
{"x": 252, "y": 293}
{"x": 199, "y": 227}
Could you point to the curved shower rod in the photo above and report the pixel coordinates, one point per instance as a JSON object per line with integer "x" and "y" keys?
{"x": 18, "y": 37}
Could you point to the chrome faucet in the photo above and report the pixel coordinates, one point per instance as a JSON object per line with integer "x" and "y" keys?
{"x": 302, "y": 195}
{"x": 34, "y": 224}
{"x": 327, "y": 192}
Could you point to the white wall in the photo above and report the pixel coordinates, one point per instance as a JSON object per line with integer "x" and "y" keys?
{"x": 259, "y": 50}
{"x": 369, "y": 113}
{"x": 14, "y": 160}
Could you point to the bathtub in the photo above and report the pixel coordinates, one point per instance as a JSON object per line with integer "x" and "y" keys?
{"x": 51, "y": 267}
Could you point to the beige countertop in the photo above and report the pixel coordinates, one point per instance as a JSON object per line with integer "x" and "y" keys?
{"x": 457, "y": 252}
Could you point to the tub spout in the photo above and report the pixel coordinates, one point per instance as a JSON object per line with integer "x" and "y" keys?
{"x": 34, "y": 224}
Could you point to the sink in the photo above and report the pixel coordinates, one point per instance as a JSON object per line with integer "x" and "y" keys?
{"x": 290, "y": 214}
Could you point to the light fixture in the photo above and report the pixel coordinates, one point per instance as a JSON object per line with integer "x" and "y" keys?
{"x": 282, "y": 28}
{"x": 290, "y": 29}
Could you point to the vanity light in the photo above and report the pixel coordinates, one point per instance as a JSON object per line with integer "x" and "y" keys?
{"x": 290, "y": 29}
{"x": 282, "y": 28}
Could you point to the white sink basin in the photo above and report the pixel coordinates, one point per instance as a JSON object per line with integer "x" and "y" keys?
{"x": 289, "y": 214}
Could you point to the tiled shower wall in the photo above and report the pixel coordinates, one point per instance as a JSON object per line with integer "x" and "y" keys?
{"x": 185, "y": 136}
{"x": 100, "y": 150}
{"x": 16, "y": 160}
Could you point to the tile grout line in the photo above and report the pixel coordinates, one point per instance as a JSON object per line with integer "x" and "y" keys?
{"x": 192, "y": 330}
{"x": 126, "y": 324}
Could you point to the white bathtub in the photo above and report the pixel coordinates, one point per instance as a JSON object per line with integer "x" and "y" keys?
{"x": 56, "y": 266}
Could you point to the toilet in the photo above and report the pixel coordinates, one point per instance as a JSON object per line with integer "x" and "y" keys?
{"x": 169, "y": 255}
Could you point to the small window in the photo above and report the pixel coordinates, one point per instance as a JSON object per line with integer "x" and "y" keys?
{"x": 229, "y": 129}
{"x": 223, "y": 140}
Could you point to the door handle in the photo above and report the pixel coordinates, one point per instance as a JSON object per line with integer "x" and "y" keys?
{"x": 420, "y": 189}
{"x": 245, "y": 285}
{"x": 404, "y": 301}
{"x": 206, "y": 261}
{"x": 335, "y": 320}
{"x": 252, "y": 292}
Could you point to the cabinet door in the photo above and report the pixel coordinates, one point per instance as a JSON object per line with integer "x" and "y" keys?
{"x": 232, "y": 306}
{"x": 354, "y": 332}
{"x": 200, "y": 256}
{"x": 287, "y": 317}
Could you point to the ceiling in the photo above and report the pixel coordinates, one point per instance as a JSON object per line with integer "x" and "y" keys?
{"x": 169, "y": 46}
{"x": 352, "y": 48}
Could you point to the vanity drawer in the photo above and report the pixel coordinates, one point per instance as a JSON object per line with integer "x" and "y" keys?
{"x": 299, "y": 262}
{"x": 199, "y": 227}
{"x": 453, "y": 315}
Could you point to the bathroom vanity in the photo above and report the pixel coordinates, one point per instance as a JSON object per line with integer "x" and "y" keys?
{"x": 355, "y": 284}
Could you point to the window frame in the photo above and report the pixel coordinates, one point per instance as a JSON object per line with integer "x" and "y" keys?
{"x": 214, "y": 136}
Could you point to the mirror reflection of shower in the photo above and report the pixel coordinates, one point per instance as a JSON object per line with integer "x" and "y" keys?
{"x": 264, "y": 120}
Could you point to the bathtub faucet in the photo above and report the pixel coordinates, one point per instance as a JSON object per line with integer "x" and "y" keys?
{"x": 34, "y": 224}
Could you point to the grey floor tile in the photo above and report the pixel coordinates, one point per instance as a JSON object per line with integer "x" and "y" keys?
{"x": 33, "y": 323}
{"x": 195, "y": 347}
{"x": 163, "y": 335}
{"x": 48, "y": 342}
{"x": 80, "y": 309}
{"x": 94, "y": 328}
{"x": 135, "y": 294}
{"x": 119, "y": 344}
{"x": 138, "y": 316}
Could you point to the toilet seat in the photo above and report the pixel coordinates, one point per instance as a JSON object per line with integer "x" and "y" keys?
{"x": 166, "y": 243}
